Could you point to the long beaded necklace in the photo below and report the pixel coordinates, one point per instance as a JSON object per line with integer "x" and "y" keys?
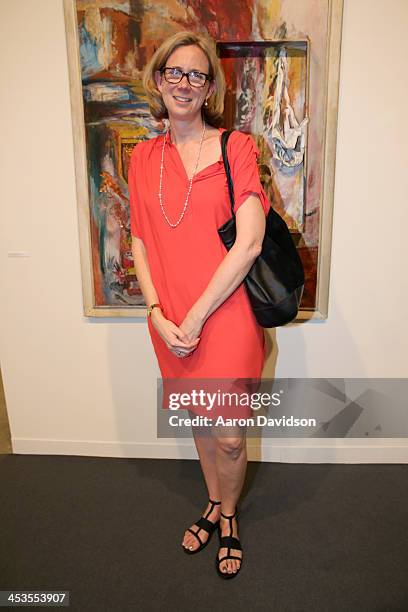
{"x": 160, "y": 194}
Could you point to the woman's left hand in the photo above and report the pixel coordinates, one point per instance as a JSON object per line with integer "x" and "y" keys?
{"x": 191, "y": 326}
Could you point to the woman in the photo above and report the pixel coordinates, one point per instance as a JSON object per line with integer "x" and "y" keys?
{"x": 200, "y": 320}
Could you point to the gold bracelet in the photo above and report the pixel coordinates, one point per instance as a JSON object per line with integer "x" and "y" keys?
{"x": 150, "y": 308}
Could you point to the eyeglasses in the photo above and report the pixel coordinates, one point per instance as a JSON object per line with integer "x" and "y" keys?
{"x": 174, "y": 75}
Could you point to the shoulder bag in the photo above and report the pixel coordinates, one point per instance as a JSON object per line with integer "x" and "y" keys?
{"x": 276, "y": 280}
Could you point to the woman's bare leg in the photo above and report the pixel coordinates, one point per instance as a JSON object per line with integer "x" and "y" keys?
{"x": 206, "y": 446}
{"x": 231, "y": 462}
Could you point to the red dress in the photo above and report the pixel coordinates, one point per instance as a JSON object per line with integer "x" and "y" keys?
{"x": 182, "y": 260}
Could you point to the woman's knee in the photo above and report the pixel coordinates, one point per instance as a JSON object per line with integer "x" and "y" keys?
{"x": 231, "y": 446}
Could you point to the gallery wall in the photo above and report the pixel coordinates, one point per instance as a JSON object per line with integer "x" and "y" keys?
{"x": 77, "y": 385}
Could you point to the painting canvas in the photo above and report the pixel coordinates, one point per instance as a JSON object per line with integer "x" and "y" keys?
{"x": 281, "y": 62}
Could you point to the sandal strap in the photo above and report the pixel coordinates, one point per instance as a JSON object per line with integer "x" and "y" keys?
{"x": 229, "y": 557}
{"x": 229, "y": 516}
{"x": 230, "y": 542}
{"x": 205, "y": 524}
{"x": 196, "y": 535}
{"x": 213, "y": 504}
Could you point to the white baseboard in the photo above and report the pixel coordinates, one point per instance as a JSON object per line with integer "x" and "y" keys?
{"x": 280, "y": 451}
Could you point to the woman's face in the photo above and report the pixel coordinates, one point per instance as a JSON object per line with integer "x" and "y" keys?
{"x": 182, "y": 100}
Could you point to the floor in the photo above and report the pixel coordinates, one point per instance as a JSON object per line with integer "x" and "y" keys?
{"x": 329, "y": 538}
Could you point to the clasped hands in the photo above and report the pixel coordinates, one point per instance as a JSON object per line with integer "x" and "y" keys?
{"x": 180, "y": 340}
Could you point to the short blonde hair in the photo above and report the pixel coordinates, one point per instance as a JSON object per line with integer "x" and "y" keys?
{"x": 213, "y": 113}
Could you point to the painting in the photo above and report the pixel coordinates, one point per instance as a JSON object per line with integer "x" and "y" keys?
{"x": 281, "y": 63}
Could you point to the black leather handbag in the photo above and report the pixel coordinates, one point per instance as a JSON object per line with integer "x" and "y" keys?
{"x": 276, "y": 280}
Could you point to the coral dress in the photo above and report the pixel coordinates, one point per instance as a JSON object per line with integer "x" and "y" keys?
{"x": 182, "y": 260}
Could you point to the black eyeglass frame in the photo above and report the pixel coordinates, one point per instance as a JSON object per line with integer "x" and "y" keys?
{"x": 185, "y": 74}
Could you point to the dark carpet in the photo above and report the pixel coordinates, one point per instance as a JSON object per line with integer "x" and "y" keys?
{"x": 315, "y": 537}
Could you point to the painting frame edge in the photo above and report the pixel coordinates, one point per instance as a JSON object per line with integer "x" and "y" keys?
{"x": 333, "y": 57}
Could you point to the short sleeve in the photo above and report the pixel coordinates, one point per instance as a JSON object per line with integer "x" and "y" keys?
{"x": 243, "y": 155}
{"x": 135, "y": 213}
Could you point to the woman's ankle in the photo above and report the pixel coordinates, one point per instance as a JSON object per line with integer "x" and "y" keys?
{"x": 229, "y": 526}
{"x": 228, "y": 512}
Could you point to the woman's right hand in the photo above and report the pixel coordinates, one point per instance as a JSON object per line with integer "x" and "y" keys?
{"x": 172, "y": 335}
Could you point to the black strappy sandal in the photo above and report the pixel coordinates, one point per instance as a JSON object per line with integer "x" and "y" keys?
{"x": 229, "y": 542}
{"x": 206, "y": 525}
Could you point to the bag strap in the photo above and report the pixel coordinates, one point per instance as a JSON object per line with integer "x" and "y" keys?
{"x": 224, "y": 139}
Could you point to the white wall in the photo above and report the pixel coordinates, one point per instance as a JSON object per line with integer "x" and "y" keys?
{"x": 81, "y": 386}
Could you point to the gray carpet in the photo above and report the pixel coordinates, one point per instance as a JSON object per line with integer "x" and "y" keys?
{"x": 315, "y": 537}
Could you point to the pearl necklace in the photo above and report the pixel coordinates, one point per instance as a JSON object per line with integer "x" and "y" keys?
{"x": 190, "y": 181}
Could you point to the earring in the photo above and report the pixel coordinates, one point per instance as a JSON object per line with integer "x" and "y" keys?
{"x": 206, "y": 102}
